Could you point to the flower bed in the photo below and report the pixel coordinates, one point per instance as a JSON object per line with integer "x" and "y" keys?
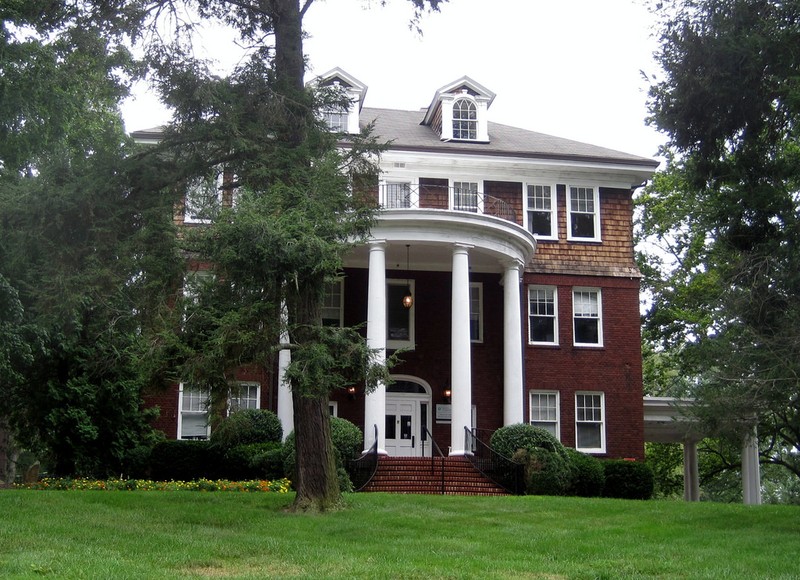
{"x": 70, "y": 484}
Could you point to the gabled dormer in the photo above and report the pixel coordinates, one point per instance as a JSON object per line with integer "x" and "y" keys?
{"x": 343, "y": 121}
{"x": 458, "y": 111}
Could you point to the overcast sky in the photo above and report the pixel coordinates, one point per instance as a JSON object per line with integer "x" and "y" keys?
{"x": 570, "y": 68}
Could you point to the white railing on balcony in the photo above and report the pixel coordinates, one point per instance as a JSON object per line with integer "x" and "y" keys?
{"x": 403, "y": 196}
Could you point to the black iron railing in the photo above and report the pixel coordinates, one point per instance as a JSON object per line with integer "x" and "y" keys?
{"x": 362, "y": 470}
{"x": 403, "y": 196}
{"x": 499, "y": 469}
{"x": 438, "y": 453}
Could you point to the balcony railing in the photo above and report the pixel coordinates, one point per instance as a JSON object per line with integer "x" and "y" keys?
{"x": 403, "y": 196}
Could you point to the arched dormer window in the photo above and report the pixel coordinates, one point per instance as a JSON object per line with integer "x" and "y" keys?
{"x": 465, "y": 120}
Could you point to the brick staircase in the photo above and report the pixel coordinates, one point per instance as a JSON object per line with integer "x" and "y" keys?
{"x": 413, "y": 475}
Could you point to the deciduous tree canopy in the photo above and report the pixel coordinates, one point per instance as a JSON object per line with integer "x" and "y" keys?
{"x": 725, "y": 277}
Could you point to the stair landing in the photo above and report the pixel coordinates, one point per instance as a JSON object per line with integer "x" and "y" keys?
{"x": 414, "y": 475}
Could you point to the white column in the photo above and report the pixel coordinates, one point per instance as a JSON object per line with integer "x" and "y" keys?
{"x": 751, "y": 470}
{"x": 461, "y": 362}
{"x": 691, "y": 473}
{"x": 285, "y": 404}
{"x": 375, "y": 402}
{"x": 512, "y": 346}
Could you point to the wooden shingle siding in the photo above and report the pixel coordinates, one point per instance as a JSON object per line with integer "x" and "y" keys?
{"x": 613, "y": 256}
{"x": 434, "y": 193}
{"x": 508, "y": 191}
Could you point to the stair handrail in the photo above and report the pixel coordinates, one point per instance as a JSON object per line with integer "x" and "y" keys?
{"x": 499, "y": 468}
{"x": 434, "y": 446}
{"x": 363, "y": 469}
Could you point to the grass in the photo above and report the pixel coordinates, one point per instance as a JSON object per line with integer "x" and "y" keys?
{"x": 95, "y": 534}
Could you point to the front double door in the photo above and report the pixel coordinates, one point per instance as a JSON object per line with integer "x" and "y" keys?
{"x": 405, "y": 418}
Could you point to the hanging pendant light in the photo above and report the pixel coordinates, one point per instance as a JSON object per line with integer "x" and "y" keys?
{"x": 408, "y": 299}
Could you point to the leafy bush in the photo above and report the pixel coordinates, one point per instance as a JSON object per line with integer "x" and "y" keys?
{"x": 246, "y": 461}
{"x": 587, "y": 476}
{"x": 347, "y": 444}
{"x": 628, "y": 479}
{"x": 269, "y": 463}
{"x": 509, "y": 439}
{"x": 247, "y": 426}
{"x": 546, "y": 472}
{"x": 185, "y": 460}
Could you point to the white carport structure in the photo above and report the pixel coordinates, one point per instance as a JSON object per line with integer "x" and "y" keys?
{"x": 666, "y": 421}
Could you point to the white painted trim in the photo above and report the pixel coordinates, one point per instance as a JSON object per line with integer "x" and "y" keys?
{"x": 602, "y": 422}
{"x": 558, "y": 408}
{"x": 554, "y": 290}
{"x": 553, "y": 209}
{"x": 597, "y": 219}
{"x": 599, "y": 343}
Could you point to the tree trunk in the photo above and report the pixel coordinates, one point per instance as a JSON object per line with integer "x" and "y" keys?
{"x": 8, "y": 456}
{"x": 316, "y": 480}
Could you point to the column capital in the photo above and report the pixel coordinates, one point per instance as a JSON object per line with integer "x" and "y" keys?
{"x": 461, "y": 248}
{"x": 376, "y": 244}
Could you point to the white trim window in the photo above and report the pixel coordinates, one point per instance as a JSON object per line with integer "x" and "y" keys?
{"x": 590, "y": 432}
{"x": 541, "y": 211}
{"x": 399, "y": 319}
{"x": 396, "y": 195}
{"x": 193, "y": 405}
{"x": 203, "y": 198}
{"x": 336, "y": 120}
{"x": 587, "y": 317}
{"x": 544, "y": 412}
{"x": 465, "y": 120}
{"x": 244, "y": 396}
{"x": 583, "y": 213}
{"x": 333, "y": 408}
{"x": 542, "y": 315}
{"x": 476, "y": 311}
{"x": 333, "y": 304}
{"x": 466, "y": 197}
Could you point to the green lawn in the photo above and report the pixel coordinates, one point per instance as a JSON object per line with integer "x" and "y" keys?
{"x": 96, "y": 534}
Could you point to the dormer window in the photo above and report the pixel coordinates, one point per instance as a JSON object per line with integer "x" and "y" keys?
{"x": 465, "y": 120}
{"x": 459, "y": 111}
{"x": 342, "y": 118}
{"x": 336, "y": 121}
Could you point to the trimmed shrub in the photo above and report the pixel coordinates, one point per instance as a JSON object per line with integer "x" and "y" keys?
{"x": 587, "y": 476}
{"x": 546, "y": 472}
{"x": 509, "y": 439}
{"x": 628, "y": 479}
{"x": 269, "y": 464}
{"x": 247, "y": 426}
{"x": 185, "y": 461}
{"x": 244, "y": 461}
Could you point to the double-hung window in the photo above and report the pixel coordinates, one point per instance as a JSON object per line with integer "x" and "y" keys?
{"x": 541, "y": 211}
{"x": 336, "y": 121}
{"x": 465, "y": 120}
{"x": 244, "y": 396}
{"x": 583, "y": 213}
{"x": 476, "y": 312}
{"x": 333, "y": 304}
{"x": 465, "y": 196}
{"x": 590, "y": 433}
{"x": 203, "y": 197}
{"x": 399, "y": 319}
{"x": 193, "y": 417}
{"x": 587, "y": 310}
{"x": 542, "y": 315}
{"x": 397, "y": 195}
{"x": 544, "y": 411}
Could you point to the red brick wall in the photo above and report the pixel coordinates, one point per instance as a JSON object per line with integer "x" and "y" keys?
{"x": 614, "y": 369}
